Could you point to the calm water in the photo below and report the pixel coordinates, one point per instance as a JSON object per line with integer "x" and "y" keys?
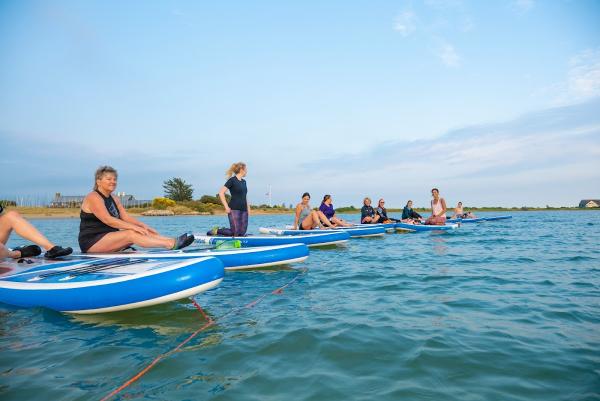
{"x": 506, "y": 310}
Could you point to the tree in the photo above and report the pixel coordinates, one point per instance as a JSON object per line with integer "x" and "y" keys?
{"x": 178, "y": 190}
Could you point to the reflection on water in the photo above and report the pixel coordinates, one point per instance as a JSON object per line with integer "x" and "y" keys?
{"x": 505, "y": 310}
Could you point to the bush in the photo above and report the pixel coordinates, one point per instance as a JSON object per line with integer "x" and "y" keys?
{"x": 6, "y": 203}
{"x": 180, "y": 209}
{"x": 162, "y": 203}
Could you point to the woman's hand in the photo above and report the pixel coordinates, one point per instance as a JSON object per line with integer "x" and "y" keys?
{"x": 150, "y": 229}
{"x": 227, "y": 209}
{"x": 140, "y": 230}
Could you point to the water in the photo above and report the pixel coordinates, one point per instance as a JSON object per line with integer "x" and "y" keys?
{"x": 505, "y": 310}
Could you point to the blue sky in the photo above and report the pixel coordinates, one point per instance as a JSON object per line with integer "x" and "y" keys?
{"x": 495, "y": 103}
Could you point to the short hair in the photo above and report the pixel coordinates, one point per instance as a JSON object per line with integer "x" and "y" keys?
{"x": 306, "y": 194}
{"x": 101, "y": 171}
{"x": 435, "y": 189}
{"x": 366, "y": 199}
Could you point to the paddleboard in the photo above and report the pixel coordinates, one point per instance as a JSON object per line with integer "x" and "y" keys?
{"x": 87, "y": 285}
{"x": 311, "y": 240}
{"x": 232, "y": 259}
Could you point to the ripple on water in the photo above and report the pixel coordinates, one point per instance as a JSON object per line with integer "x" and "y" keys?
{"x": 498, "y": 311}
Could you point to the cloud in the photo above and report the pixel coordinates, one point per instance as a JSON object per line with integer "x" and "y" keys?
{"x": 539, "y": 158}
{"x": 522, "y": 6}
{"x": 405, "y": 23}
{"x": 583, "y": 79}
{"x": 448, "y": 14}
{"x": 447, "y": 53}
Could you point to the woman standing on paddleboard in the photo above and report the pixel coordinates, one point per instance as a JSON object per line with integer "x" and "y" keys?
{"x": 107, "y": 227}
{"x": 238, "y": 207}
{"x": 438, "y": 209}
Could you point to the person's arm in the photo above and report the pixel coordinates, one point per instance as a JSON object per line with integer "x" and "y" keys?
{"x": 297, "y": 217}
{"x": 248, "y": 206}
{"x": 363, "y": 213}
{"x": 223, "y": 199}
{"x": 130, "y": 219}
{"x": 443, "y": 212}
{"x": 95, "y": 204}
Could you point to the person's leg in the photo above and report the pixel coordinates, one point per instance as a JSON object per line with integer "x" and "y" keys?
{"x": 233, "y": 226}
{"x": 119, "y": 240}
{"x": 338, "y": 222}
{"x": 5, "y": 253}
{"x": 321, "y": 216}
{"x": 243, "y": 224}
{"x": 311, "y": 221}
{"x": 12, "y": 220}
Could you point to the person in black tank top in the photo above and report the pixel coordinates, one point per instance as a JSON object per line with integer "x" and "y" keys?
{"x": 107, "y": 227}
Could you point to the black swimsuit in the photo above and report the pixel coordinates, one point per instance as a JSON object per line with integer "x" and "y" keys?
{"x": 92, "y": 229}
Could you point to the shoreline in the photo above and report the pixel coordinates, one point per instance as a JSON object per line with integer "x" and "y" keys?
{"x": 72, "y": 213}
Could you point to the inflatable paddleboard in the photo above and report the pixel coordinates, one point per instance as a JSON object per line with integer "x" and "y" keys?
{"x": 389, "y": 227}
{"x": 312, "y": 240}
{"x": 354, "y": 232}
{"x": 473, "y": 220}
{"x": 232, "y": 259}
{"x": 494, "y": 218}
{"x": 86, "y": 285}
{"x": 423, "y": 227}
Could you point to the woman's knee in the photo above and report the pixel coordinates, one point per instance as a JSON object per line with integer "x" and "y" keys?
{"x": 11, "y": 215}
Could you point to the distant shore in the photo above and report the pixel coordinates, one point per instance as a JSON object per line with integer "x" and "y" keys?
{"x": 71, "y": 213}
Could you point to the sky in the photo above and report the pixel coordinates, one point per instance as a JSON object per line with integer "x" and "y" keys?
{"x": 494, "y": 103}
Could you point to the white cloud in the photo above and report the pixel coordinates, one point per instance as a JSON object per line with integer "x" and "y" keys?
{"x": 523, "y": 6}
{"x": 447, "y": 53}
{"x": 547, "y": 155}
{"x": 406, "y": 23}
{"x": 583, "y": 79}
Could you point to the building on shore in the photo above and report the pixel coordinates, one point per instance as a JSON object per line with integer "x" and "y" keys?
{"x": 589, "y": 203}
{"x": 62, "y": 201}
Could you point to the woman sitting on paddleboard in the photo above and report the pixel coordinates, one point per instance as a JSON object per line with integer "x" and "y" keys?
{"x": 107, "y": 227}
{"x": 382, "y": 213}
{"x": 308, "y": 219}
{"x": 238, "y": 207}
{"x": 438, "y": 210}
{"x": 409, "y": 215}
{"x": 12, "y": 220}
{"x": 329, "y": 212}
{"x": 367, "y": 213}
{"x": 459, "y": 212}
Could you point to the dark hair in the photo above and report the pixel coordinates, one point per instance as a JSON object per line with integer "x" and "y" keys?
{"x": 305, "y": 194}
{"x": 326, "y": 197}
{"x": 435, "y": 189}
{"x": 1, "y": 208}
{"x": 409, "y": 201}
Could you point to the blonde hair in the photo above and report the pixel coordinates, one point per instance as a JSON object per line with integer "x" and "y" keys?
{"x": 100, "y": 173}
{"x": 366, "y": 199}
{"x": 235, "y": 168}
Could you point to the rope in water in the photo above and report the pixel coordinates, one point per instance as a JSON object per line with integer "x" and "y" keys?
{"x": 209, "y": 322}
